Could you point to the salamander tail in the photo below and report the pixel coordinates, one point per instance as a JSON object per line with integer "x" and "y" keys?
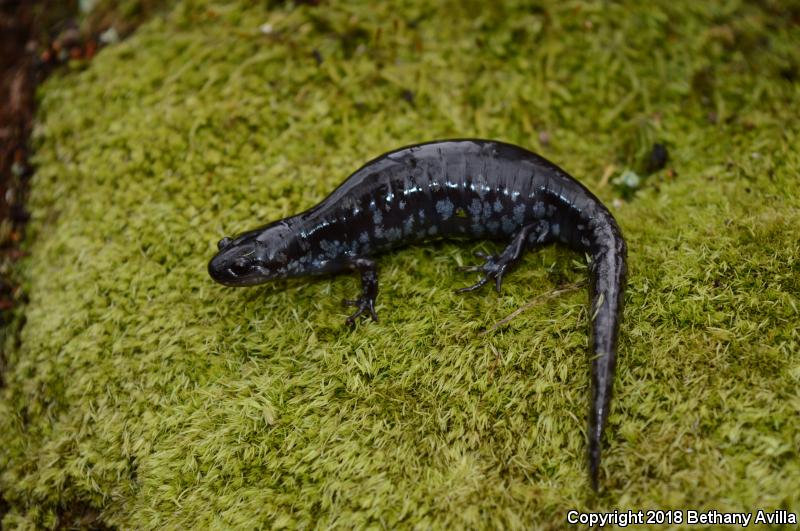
{"x": 608, "y": 277}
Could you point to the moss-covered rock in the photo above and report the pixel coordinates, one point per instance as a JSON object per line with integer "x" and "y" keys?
{"x": 144, "y": 391}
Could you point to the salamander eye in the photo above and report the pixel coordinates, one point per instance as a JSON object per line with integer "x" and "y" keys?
{"x": 240, "y": 267}
{"x": 224, "y": 242}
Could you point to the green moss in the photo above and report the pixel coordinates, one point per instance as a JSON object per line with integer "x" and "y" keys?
{"x": 146, "y": 391}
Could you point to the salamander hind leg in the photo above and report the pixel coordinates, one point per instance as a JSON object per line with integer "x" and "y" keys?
{"x": 496, "y": 266}
{"x": 365, "y": 304}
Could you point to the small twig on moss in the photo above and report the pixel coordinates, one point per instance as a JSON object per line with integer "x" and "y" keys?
{"x": 538, "y": 300}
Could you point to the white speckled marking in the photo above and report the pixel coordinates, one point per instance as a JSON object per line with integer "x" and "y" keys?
{"x": 519, "y": 214}
{"x": 331, "y": 248}
{"x": 475, "y": 208}
{"x": 393, "y": 234}
{"x": 408, "y": 225}
{"x": 445, "y": 208}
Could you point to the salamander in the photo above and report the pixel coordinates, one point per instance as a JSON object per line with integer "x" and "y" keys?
{"x": 463, "y": 188}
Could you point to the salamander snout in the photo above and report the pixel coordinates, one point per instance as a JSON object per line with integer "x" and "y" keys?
{"x": 251, "y": 258}
{"x": 238, "y": 263}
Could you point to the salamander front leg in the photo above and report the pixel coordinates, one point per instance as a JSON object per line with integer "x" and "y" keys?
{"x": 496, "y": 266}
{"x": 369, "y": 289}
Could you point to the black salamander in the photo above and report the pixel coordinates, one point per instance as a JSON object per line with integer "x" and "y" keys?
{"x": 477, "y": 189}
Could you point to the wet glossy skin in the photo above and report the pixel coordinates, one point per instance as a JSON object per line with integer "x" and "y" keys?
{"x": 475, "y": 189}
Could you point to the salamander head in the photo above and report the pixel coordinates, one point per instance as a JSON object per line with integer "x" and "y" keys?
{"x": 253, "y": 257}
